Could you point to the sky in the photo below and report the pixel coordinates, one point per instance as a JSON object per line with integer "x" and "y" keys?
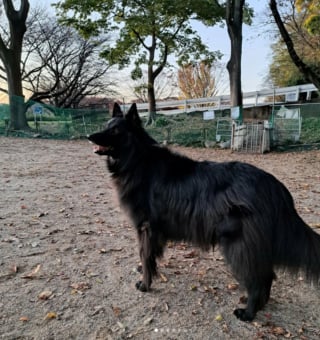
{"x": 256, "y": 53}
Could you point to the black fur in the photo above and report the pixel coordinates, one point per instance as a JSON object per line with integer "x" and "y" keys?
{"x": 245, "y": 210}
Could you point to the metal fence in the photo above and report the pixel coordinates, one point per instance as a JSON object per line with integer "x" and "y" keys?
{"x": 251, "y": 137}
{"x": 185, "y": 129}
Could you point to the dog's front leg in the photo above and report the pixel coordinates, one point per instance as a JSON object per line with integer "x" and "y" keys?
{"x": 148, "y": 253}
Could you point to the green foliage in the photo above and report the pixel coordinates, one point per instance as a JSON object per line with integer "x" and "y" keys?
{"x": 310, "y": 130}
{"x": 188, "y": 129}
{"x": 140, "y": 26}
{"x": 313, "y": 24}
{"x": 312, "y": 18}
{"x": 282, "y": 70}
{"x": 161, "y": 121}
{"x": 136, "y": 73}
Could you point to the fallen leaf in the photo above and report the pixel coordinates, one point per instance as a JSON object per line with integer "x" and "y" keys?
{"x": 45, "y": 295}
{"x": 163, "y": 278}
{"x": 80, "y": 286}
{"x": 192, "y": 254}
{"x": 14, "y": 269}
{"x": 33, "y": 273}
{"x": 202, "y": 272}
{"x": 104, "y": 250}
{"x": 243, "y": 299}
{"x": 278, "y": 331}
{"x": 219, "y": 318}
{"x": 42, "y": 214}
{"x": 116, "y": 311}
{"x": 233, "y": 286}
{"x": 51, "y": 315}
{"x": 148, "y": 321}
{"x": 121, "y": 325}
{"x": 86, "y": 232}
{"x": 24, "y": 318}
{"x": 193, "y": 287}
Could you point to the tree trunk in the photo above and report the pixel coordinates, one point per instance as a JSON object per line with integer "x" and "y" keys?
{"x": 234, "y": 18}
{"x": 151, "y": 79}
{"x": 151, "y": 101}
{"x": 18, "y": 120}
{"x": 11, "y": 58}
{"x": 307, "y": 72}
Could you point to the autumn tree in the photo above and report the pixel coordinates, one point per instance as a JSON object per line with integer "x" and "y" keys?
{"x": 282, "y": 70}
{"x": 310, "y": 73}
{"x": 200, "y": 80}
{"x": 312, "y": 19}
{"x": 146, "y": 32}
{"x": 10, "y": 56}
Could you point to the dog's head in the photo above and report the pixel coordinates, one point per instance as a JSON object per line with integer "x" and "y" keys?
{"x": 122, "y": 131}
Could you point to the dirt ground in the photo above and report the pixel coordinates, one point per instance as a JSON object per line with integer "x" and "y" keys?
{"x": 68, "y": 256}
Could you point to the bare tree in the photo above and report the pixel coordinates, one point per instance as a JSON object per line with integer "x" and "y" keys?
{"x": 10, "y": 55}
{"x": 60, "y": 66}
{"x": 164, "y": 87}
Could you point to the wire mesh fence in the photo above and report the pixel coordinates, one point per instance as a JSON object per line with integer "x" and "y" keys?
{"x": 53, "y": 122}
{"x": 184, "y": 129}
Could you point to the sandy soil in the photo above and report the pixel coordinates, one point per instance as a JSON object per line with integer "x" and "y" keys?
{"x": 68, "y": 256}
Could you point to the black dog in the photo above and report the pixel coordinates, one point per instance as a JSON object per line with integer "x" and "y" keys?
{"x": 245, "y": 210}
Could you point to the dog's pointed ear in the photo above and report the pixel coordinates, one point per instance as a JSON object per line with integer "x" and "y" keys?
{"x": 117, "y": 111}
{"x": 132, "y": 115}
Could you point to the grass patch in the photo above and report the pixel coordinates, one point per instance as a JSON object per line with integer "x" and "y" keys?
{"x": 310, "y": 130}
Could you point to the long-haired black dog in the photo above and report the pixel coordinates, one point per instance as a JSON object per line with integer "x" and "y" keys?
{"x": 248, "y": 212}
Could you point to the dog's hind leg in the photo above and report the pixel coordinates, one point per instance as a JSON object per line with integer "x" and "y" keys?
{"x": 258, "y": 289}
{"x": 249, "y": 255}
{"x": 150, "y": 249}
{"x": 256, "y": 275}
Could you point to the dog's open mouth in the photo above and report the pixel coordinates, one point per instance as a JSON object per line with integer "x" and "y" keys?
{"x": 101, "y": 149}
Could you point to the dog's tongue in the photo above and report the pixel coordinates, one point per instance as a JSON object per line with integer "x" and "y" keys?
{"x": 99, "y": 148}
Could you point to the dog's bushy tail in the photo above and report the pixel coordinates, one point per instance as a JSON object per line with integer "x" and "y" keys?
{"x": 300, "y": 249}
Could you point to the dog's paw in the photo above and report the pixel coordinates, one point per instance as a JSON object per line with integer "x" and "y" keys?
{"x": 139, "y": 269}
{"x": 243, "y": 315}
{"x": 141, "y": 286}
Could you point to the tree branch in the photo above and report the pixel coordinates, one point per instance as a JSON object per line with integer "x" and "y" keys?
{"x": 303, "y": 68}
